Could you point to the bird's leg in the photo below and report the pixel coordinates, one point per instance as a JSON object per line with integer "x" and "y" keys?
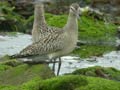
{"x": 53, "y": 68}
{"x": 59, "y": 66}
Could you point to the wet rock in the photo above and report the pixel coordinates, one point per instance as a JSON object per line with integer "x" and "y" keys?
{"x": 100, "y": 73}
{"x": 70, "y": 63}
{"x": 16, "y": 73}
{"x": 97, "y": 71}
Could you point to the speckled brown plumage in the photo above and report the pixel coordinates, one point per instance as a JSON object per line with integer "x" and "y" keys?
{"x": 50, "y": 43}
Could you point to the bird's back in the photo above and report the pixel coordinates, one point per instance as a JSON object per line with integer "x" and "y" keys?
{"x": 50, "y": 43}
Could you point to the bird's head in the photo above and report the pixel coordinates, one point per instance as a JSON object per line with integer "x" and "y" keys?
{"x": 76, "y": 10}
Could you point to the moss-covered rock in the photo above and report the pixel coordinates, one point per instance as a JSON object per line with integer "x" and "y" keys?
{"x": 23, "y": 73}
{"x": 67, "y": 82}
{"x": 97, "y": 71}
{"x": 5, "y": 60}
{"x": 100, "y": 84}
{"x": 9, "y": 20}
{"x": 32, "y": 84}
{"x": 8, "y": 88}
{"x": 4, "y": 68}
{"x": 12, "y": 63}
{"x": 86, "y": 51}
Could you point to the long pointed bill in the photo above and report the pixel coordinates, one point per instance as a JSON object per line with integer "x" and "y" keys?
{"x": 85, "y": 9}
{"x": 82, "y": 10}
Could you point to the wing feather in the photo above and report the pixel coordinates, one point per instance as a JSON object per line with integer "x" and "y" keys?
{"x": 48, "y": 44}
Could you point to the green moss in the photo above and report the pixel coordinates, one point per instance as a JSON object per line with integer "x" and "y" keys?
{"x": 56, "y": 20}
{"x": 8, "y": 88}
{"x": 5, "y": 60}
{"x": 88, "y": 1}
{"x": 100, "y": 84}
{"x": 23, "y": 73}
{"x": 67, "y": 82}
{"x": 92, "y": 50}
{"x": 63, "y": 83}
{"x": 12, "y": 63}
{"x": 32, "y": 84}
{"x": 113, "y": 73}
{"x": 96, "y": 30}
{"x": 10, "y": 21}
{"x": 97, "y": 71}
{"x": 4, "y": 68}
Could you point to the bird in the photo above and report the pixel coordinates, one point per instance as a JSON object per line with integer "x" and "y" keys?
{"x": 39, "y": 24}
{"x": 40, "y": 27}
{"x": 57, "y": 44}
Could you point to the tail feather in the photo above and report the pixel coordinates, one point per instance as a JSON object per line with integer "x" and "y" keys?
{"x": 21, "y": 56}
{"x": 17, "y": 56}
{"x": 36, "y": 59}
{"x": 14, "y": 56}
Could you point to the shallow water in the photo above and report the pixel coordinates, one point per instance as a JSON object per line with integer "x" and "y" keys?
{"x": 70, "y": 64}
{"x": 13, "y": 44}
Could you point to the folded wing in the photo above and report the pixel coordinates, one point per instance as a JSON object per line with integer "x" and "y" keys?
{"x": 50, "y": 43}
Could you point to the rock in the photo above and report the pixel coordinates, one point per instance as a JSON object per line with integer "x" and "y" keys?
{"x": 39, "y": 77}
{"x": 100, "y": 73}
{"x": 67, "y": 82}
{"x": 22, "y": 73}
{"x": 97, "y": 71}
{"x": 111, "y": 7}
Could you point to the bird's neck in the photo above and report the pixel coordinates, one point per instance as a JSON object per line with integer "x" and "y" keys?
{"x": 39, "y": 18}
{"x": 72, "y": 23}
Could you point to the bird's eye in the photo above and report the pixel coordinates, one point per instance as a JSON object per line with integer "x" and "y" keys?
{"x": 76, "y": 8}
{"x": 72, "y": 8}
